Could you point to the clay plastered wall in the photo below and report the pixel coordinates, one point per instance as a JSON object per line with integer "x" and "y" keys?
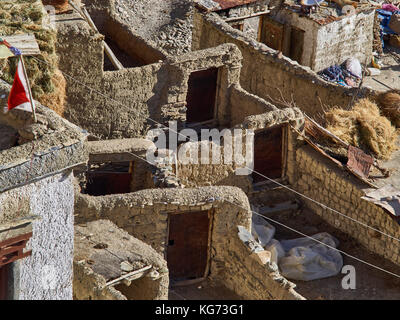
{"x": 350, "y": 37}
{"x": 263, "y": 73}
{"x": 129, "y": 90}
{"x": 123, "y": 100}
{"x": 47, "y": 274}
{"x": 144, "y": 214}
{"x": 318, "y": 178}
{"x": 244, "y": 104}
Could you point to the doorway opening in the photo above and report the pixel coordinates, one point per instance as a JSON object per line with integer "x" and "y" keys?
{"x": 201, "y": 96}
{"x": 109, "y": 178}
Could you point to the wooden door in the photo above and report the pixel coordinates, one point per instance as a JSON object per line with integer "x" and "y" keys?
{"x": 201, "y": 95}
{"x": 268, "y": 154}
{"x": 271, "y": 33}
{"x": 3, "y": 282}
{"x": 187, "y": 252}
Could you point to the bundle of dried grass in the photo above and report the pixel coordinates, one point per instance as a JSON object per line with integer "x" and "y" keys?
{"x": 364, "y": 127}
{"x": 26, "y": 16}
{"x": 389, "y": 103}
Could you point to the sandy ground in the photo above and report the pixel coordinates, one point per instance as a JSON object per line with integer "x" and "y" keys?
{"x": 371, "y": 284}
{"x": 390, "y": 72}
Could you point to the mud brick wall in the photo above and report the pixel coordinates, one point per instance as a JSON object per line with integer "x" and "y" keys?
{"x": 318, "y": 178}
{"x": 253, "y": 278}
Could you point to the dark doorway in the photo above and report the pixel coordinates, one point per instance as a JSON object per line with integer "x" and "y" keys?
{"x": 187, "y": 253}
{"x": 111, "y": 178}
{"x": 3, "y": 282}
{"x": 268, "y": 154}
{"x": 296, "y": 44}
{"x": 201, "y": 95}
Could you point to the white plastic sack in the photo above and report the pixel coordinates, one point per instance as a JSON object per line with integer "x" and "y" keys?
{"x": 262, "y": 230}
{"x": 307, "y": 259}
{"x": 276, "y": 249}
{"x": 354, "y": 66}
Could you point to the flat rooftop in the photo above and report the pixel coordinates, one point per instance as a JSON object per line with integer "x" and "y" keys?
{"x": 326, "y": 12}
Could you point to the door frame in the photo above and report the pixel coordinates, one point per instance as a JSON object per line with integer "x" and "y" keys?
{"x": 210, "y": 230}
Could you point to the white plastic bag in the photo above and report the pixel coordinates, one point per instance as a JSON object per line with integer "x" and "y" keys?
{"x": 262, "y": 230}
{"x": 307, "y": 259}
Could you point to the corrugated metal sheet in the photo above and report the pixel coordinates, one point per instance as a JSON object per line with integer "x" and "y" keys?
{"x": 359, "y": 162}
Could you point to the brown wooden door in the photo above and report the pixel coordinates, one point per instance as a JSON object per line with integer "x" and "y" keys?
{"x": 268, "y": 154}
{"x": 187, "y": 252}
{"x": 201, "y": 95}
{"x": 3, "y": 282}
{"x": 272, "y": 33}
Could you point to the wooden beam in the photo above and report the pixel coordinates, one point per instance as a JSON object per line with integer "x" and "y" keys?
{"x": 26, "y": 43}
{"x": 134, "y": 274}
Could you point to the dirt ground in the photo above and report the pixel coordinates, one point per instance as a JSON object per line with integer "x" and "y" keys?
{"x": 205, "y": 290}
{"x": 371, "y": 284}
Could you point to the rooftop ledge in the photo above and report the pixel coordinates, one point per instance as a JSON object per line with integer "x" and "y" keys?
{"x": 31, "y": 151}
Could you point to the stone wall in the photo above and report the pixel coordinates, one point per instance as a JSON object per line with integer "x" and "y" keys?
{"x": 319, "y": 178}
{"x": 350, "y": 37}
{"x": 334, "y": 42}
{"x": 270, "y": 76}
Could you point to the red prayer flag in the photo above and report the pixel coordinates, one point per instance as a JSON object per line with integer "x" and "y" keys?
{"x": 19, "y": 95}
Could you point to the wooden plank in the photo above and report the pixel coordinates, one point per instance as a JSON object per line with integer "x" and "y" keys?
{"x": 15, "y": 258}
{"x": 326, "y": 132}
{"x": 8, "y": 242}
{"x": 26, "y": 43}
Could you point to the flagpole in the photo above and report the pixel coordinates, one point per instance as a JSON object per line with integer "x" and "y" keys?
{"x": 29, "y": 88}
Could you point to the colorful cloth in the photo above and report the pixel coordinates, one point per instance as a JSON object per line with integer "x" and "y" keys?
{"x": 6, "y": 50}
